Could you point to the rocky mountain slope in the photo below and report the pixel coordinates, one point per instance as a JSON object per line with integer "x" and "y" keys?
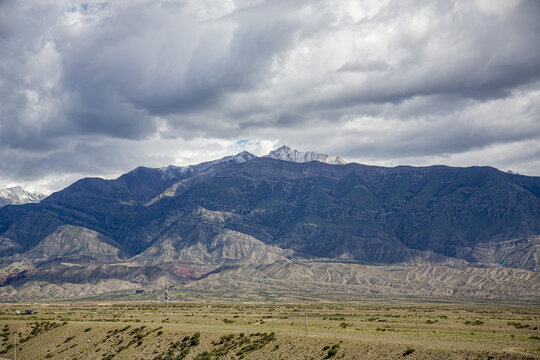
{"x": 74, "y": 241}
{"x": 247, "y": 211}
{"x": 297, "y": 281}
{"x": 16, "y": 195}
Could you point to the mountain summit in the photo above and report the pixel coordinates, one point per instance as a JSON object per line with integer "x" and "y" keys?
{"x": 16, "y": 195}
{"x": 288, "y": 154}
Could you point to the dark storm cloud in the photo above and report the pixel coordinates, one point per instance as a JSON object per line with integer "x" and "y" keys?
{"x": 100, "y": 87}
{"x": 466, "y": 54}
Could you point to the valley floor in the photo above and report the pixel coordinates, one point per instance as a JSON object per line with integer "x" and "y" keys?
{"x": 376, "y": 329}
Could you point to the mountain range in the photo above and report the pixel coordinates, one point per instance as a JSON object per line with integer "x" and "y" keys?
{"x": 268, "y": 220}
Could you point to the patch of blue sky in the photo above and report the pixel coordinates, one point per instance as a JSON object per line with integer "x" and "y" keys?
{"x": 243, "y": 142}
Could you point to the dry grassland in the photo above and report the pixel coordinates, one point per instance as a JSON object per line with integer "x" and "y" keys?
{"x": 375, "y": 330}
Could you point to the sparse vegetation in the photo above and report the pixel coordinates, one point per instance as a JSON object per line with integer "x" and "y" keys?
{"x": 197, "y": 331}
{"x": 180, "y": 349}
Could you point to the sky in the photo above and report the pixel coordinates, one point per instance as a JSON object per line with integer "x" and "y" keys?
{"x": 97, "y": 88}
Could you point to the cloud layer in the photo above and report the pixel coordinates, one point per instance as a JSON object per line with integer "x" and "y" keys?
{"x": 97, "y": 88}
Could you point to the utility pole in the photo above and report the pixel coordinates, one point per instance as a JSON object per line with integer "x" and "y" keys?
{"x": 417, "y": 323}
{"x": 306, "y": 326}
{"x": 15, "y": 345}
{"x": 537, "y": 334}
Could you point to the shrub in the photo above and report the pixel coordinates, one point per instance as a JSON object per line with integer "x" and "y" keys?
{"x": 204, "y": 356}
{"x": 69, "y": 339}
{"x": 475, "y": 322}
{"x": 195, "y": 339}
{"x": 331, "y": 352}
{"x": 517, "y": 325}
{"x": 408, "y": 351}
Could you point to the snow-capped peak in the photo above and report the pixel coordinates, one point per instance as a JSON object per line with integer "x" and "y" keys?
{"x": 172, "y": 172}
{"x": 288, "y": 154}
{"x": 242, "y": 157}
{"x": 16, "y": 195}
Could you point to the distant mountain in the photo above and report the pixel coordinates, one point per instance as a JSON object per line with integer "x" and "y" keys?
{"x": 179, "y": 224}
{"x": 17, "y": 196}
{"x": 288, "y": 154}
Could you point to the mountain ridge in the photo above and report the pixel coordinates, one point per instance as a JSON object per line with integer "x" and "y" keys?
{"x": 245, "y": 210}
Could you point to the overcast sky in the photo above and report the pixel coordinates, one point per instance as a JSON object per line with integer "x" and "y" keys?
{"x": 98, "y": 88}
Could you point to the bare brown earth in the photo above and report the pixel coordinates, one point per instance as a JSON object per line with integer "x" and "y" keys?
{"x": 334, "y": 280}
{"x": 286, "y": 280}
{"x": 381, "y": 329}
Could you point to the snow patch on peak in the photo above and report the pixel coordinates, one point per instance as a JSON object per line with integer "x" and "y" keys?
{"x": 174, "y": 172}
{"x": 171, "y": 172}
{"x": 242, "y": 157}
{"x": 288, "y": 154}
{"x": 16, "y": 195}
